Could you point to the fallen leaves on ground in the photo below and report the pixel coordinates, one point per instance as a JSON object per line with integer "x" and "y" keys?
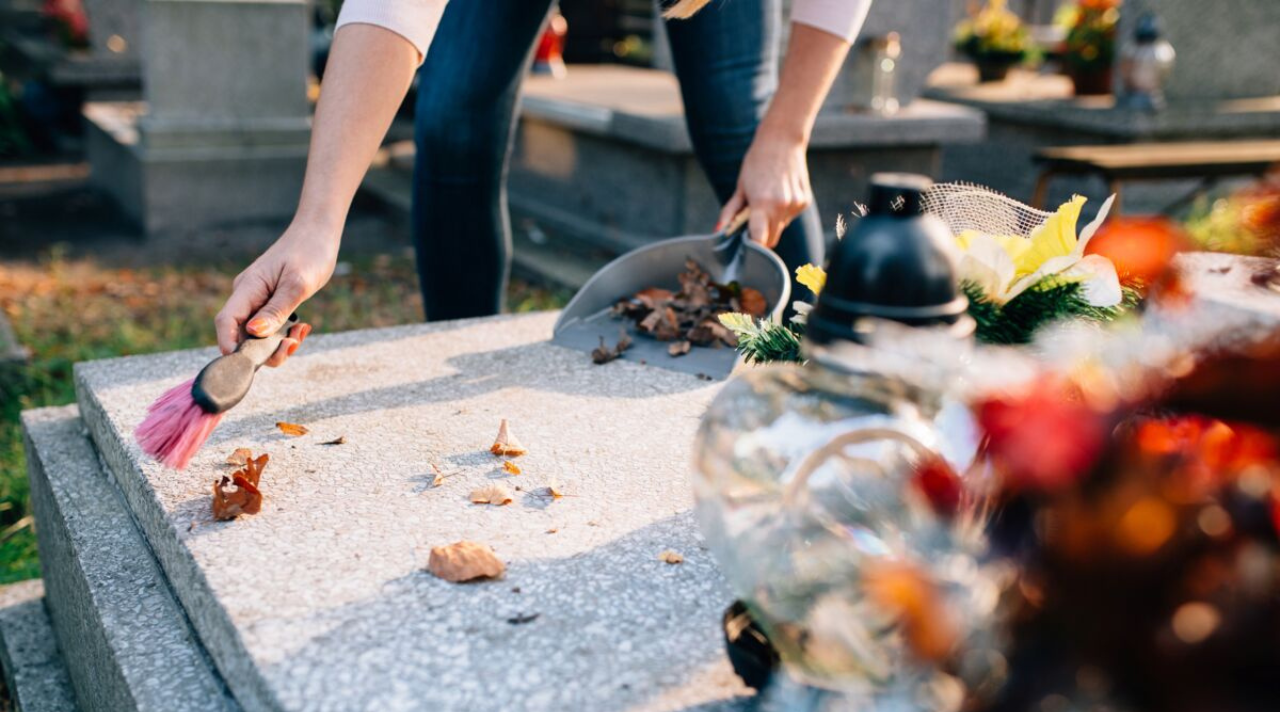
{"x": 464, "y": 561}
{"x": 689, "y": 317}
{"x": 239, "y": 494}
{"x": 506, "y": 444}
{"x": 241, "y": 456}
{"x": 293, "y": 430}
{"x": 670, "y": 557}
{"x": 603, "y": 354}
{"x": 340, "y": 440}
{"x": 496, "y": 495}
{"x": 521, "y": 619}
{"x": 510, "y": 468}
{"x": 439, "y": 476}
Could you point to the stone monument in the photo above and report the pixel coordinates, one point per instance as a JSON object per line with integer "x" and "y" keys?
{"x": 222, "y": 134}
{"x": 1223, "y": 54}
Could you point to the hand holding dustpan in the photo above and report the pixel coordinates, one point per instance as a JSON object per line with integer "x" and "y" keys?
{"x": 727, "y": 256}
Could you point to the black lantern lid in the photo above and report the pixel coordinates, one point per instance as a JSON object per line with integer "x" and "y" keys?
{"x": 1147, "y": 30}
{"x": 897, "y": 263}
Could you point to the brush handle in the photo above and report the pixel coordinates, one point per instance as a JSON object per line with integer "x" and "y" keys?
{"x": 226, "y": 380}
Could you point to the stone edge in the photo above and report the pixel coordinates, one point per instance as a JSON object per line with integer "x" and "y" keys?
{"x": 34, "y": 674}
{"x": 101, "y": 673}
{"x": 215, "y": 630}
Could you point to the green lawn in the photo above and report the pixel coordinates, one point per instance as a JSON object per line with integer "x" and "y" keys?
{"x": 68, "y": 311}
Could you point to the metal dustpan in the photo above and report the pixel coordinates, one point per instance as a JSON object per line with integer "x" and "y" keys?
{"x": 727, "y": 256}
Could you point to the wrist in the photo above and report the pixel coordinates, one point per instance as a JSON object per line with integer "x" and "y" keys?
{"x": 784, "y": 131}
{"x": 317, "y": 228}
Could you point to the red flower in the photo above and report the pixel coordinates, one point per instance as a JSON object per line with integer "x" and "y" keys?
{"x": 1043, "y": 439}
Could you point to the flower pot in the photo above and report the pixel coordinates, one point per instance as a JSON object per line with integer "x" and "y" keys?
{"x": 993, "y": 71}
{"x": 1091, "y": 82}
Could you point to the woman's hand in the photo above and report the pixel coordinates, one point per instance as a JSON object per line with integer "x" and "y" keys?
{"x": 774, "y": 182}
{"x": 269, "y": 290}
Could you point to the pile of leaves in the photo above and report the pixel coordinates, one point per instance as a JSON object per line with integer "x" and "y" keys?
{"x": 690, "y": 317}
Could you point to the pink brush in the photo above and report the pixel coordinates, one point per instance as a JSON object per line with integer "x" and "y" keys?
{"x": 180, "y": 421}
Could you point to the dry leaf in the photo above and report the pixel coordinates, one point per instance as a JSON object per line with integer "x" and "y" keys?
{"x": 496, "y": 495}
{"x": 234, "y": 496}
{"x": 293, "y": 430}
{"x": 670, "y": 557}
{"x": 506, "y": 444}
{"x": 521, "y": 619}
{"x": 510, "y": 468}
{"x": 340, "y": 440}
{"x": 240, "y": 456}
{"x": 680, "y": 348}
{"x": 603, "y": 354}
{"x": 464, "y": 561}
{"x": 753, "y": 302}
{"x": 252, "y": 470}
{"x": 439, "y": 478}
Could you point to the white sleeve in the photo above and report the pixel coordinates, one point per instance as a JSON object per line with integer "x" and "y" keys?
{"x": 842, "y": 18}
{"x": 414, "y": 20}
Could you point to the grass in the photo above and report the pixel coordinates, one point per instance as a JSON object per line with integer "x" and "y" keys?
{"x": 67, "y": 311}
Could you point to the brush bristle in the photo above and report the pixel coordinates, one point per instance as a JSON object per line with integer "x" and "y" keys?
{"x": 175, "y": 427}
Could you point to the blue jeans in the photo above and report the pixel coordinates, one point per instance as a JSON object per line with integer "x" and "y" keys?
{"x": 726, "y": 58}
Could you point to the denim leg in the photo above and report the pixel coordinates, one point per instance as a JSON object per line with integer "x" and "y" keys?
{"x": 726, "y": 58}
{"x": 468, "y": 94}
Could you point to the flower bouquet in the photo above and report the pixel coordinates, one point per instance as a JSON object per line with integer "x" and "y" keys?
{"x": 1021, "y": 269}
{"x": 995, "y": 39}
{"x": 1089, "y": 52}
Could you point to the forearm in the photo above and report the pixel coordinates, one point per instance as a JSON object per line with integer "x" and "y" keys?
{"x": 814, "y": 58}
{"x": 366, "y": 78}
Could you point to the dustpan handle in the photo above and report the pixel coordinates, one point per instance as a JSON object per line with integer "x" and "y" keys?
{"x": 738, "y": 222}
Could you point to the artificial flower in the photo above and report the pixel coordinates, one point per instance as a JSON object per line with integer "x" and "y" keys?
{"x": 1005, "y": 266}
{"x": 813, "y": 277}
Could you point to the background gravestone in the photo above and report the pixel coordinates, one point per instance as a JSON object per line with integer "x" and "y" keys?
{"x": 1226, "y": 50}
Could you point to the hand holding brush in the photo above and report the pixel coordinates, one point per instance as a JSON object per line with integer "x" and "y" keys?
{"x": 180, "y": 421}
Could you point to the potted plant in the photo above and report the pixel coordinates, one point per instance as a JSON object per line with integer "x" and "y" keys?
{"x": 1089, "y": 52}
{"x": 995, "y": 39}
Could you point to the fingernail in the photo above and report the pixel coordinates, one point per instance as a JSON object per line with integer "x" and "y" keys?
{"x": 293, "y": 347}
{"x": 305, "y": 331}
{"x": 719, "y": 225}
{"x": 258, "y": 327}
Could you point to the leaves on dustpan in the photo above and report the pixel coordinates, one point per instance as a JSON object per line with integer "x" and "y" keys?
{"x": 604, "y": 354}
{"x": 239, "y": 494}
{"x": 506, "y": 444}
{"x": 464, "y": 561}
{"x": 496, "y": 495}
{"x": 293, "y": 430}
{"x": 689, "y": 317}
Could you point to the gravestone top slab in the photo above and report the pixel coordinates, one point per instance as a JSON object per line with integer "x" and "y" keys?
{"x": 322, "y": 600}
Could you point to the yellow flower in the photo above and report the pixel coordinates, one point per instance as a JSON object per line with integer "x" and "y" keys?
{"x": 813, "y": 277}
{"x": 1055, "y": 238}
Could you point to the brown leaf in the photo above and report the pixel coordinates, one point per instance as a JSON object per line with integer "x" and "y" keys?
{"x": 670, "y": 557}
{"x": 340, "y": 440}
{"x": 506, "y": 444}
{"x": 521, "y": 619}
{"x": 679, "y": 348}
{"x": 496, "y": 495}
{"x": 753, "y": 302}
{"x": 240, "y": 456}
{"x": 603, "y": 354}
{"x": 293, "y": 430}
{"x": 510, "y": 468}
{"x": 464, "y": 561}
{"x": 235, "y": 496}
{"x": 253, "y": 469}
